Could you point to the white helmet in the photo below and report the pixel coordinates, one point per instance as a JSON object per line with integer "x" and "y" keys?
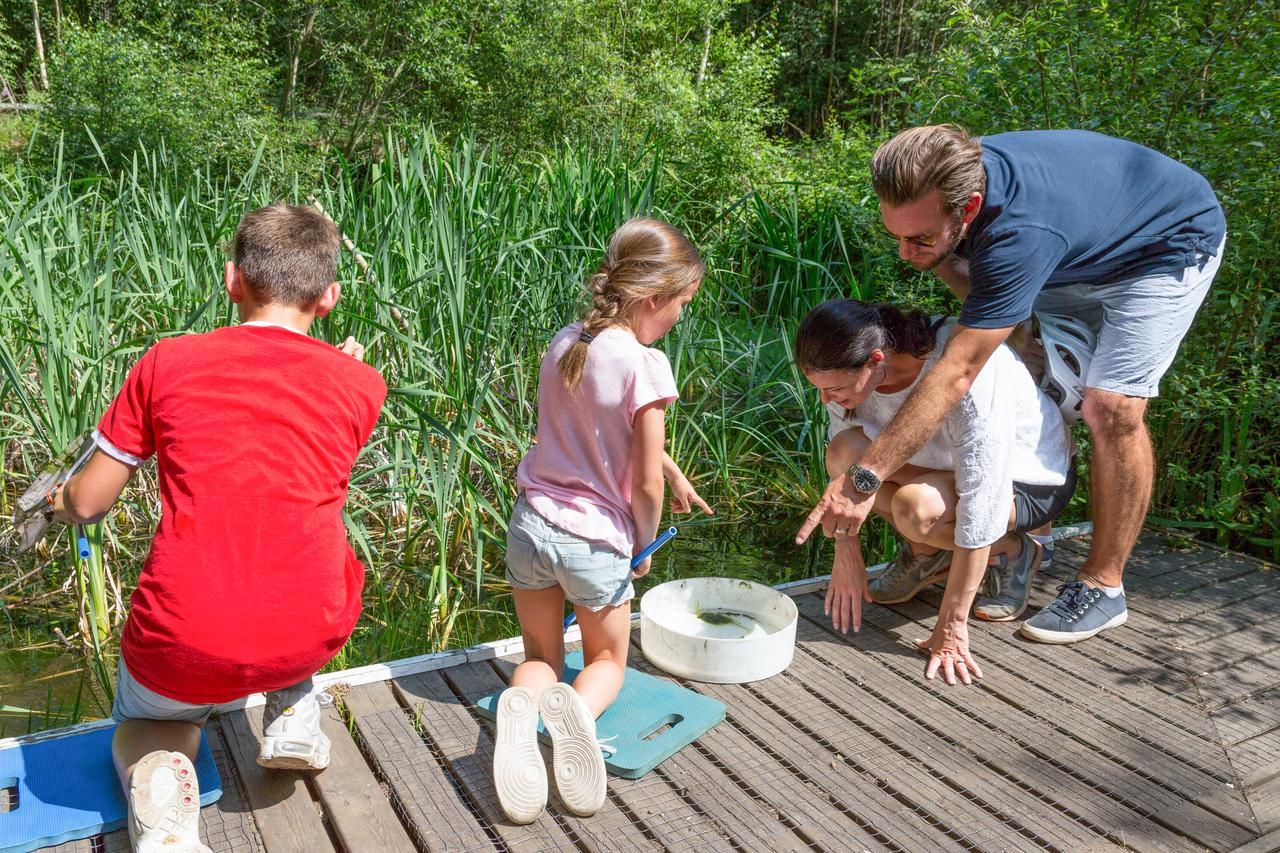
{"x": 1068, "y": 350}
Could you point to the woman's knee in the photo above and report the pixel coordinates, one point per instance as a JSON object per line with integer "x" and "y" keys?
{"x": 916, "y": 508}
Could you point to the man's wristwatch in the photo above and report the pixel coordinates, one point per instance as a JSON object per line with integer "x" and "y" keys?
{"x": 864, "y": 479}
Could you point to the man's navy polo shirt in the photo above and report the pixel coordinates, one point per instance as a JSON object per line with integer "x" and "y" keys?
{"x": 1072, "y": 206}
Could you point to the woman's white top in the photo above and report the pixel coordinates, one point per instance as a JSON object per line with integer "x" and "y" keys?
{"x": 1003, "y": 430}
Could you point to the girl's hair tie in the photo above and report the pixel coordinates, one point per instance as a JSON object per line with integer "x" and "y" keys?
{"x": 586, "y": 338}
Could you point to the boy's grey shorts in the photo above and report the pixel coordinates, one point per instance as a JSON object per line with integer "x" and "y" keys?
{"x": 541, "y": 555}
{"x": 135, "y": 702}
{"x": 1140, "y": 322}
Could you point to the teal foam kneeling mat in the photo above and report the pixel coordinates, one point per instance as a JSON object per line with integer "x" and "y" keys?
{"x": 67, "y": 789}
{"x": 650, "y": 721}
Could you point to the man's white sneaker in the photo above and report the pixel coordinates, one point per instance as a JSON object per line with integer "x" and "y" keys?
{"x": 579, "y": 766}
{"x": 291, "y": 736}
{"x": 164, "y": 805}
{"x": 519, "y": 775}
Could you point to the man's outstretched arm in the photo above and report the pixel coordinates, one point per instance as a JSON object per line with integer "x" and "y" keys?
{"x": 843, "y": 509}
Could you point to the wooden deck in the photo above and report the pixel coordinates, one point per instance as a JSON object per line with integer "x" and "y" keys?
{"x": 1163, "y": 734}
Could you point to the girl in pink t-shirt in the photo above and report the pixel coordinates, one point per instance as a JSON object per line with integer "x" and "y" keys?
{"x": 591, "y": 492}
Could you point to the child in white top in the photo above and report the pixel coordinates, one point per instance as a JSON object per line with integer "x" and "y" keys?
{"x": 591, "y": 493}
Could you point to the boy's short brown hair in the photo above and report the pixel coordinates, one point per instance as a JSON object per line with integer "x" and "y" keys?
{"x": 287, "y": 253}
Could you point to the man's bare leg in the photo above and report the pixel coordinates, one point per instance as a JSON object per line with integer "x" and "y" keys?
{"x": 1120, "y": 481}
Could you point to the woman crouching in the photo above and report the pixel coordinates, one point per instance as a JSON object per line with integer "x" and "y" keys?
{"x": 997, "y": 472}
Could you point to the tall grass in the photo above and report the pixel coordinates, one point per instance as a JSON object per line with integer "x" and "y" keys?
{"x": 472, "y": 264}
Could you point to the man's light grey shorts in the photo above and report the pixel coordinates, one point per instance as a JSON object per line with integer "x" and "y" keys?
{"x": 1140, "y": 322}
{"x": 541, "y": 555}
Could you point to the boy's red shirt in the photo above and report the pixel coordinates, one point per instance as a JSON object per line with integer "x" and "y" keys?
{"x": 250, "y": 584}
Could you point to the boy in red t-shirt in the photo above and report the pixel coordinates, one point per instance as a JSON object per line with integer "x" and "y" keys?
{"x": 250, "y": 585}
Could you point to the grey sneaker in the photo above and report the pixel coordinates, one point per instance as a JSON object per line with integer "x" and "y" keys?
{"x": 1046, "y": 558}
{"x": 1008, "y": 584}
{"x": 1078, "y": 613}
{"x": 907, "y": 575}
{"x": 292, "y": 739}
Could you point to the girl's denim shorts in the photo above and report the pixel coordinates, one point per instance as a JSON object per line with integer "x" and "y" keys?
{"x": 541, "y": 555}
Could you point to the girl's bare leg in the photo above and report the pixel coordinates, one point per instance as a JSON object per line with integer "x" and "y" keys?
{"x": 541, "y": 614}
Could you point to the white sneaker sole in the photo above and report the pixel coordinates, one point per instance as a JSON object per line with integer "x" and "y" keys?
{"x": 286, "y": 753}
{"x": 579, "y": 766}
{"x": 1062, "y": 638}
{"x": 519, "y": 775}
{"x": 170, "y": 823}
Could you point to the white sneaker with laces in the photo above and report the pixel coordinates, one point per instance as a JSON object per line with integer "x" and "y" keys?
{"x": 164, "y": 805}
{"x": 576, "y": 756}
{"x": 519, "y": 776}
{"x": 291, "y": 735}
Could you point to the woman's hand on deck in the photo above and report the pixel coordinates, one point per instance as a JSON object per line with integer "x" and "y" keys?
{"x": 848, "y": 587}
{"x": 949, "y": 653}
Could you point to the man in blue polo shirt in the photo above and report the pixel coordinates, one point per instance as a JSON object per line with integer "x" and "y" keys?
{"x": 1068, "y": 223}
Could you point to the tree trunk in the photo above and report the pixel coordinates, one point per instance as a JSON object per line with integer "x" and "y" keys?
{"x": 831, "y": 75}
{"x": 706, "y": 52}
{"x": 35, "y": 25}
{"x": 291, "y": 80}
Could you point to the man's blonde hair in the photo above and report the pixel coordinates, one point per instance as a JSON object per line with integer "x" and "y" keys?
{"x": 646, "y": 257}
{"x": 287, "y": 253}
{"x": 940, "y": 157}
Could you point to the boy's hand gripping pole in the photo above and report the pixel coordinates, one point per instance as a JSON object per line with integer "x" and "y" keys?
{"x": 663, "y": 538}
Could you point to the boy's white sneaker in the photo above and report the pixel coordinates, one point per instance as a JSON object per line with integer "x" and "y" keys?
{"x": 291, "y": 735}
{"x": 519, "y": 775}
{"x": 164, "y": 805}
{"x": 578, "y": 762}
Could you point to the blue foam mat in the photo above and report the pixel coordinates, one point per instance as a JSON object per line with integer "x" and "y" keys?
{"x": 67, "y": 789}
{"x": 644, "y": 705}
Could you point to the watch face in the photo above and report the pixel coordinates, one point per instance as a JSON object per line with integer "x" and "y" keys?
{"x": 865, "y": 480}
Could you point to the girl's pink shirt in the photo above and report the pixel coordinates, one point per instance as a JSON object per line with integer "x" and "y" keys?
{"x": 578, "y": 474}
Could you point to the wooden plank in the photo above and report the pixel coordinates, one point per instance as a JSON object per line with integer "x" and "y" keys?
{"x": 996, "y": 736}
{"x": 1194, "y": 769}
{"x": 81, "y": 845}
{"x": 664, "y": 818}
{"x": 468, "y": 752}
{"x": 286, "y": 817}
{"x": 887, "y": 807}
{"x": 1257, "y": 760}
{"x": 1180, "y": 729}
{"x": 424, "y": 794}
{"x": 771, "y": 784}
{"x": 1152, "y": 554}
{"x": 1243, "y": 680}
{"x": 1017, "y": 810}
{"x": 1265, "y": 800}
{"x": 359, "y": 813}
{"x": 1035, "y": 729}
{"x": 702, "y": 794}
{"x": 226, "y": 826}
{"x": 1269, "y": 843}
{"x": 1248, "y": 718}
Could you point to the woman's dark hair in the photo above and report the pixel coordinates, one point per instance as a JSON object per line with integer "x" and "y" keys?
{"x": 841, "y": 334}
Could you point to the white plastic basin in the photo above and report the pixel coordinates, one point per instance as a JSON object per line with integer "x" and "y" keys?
{"x": 721, "y": 630}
